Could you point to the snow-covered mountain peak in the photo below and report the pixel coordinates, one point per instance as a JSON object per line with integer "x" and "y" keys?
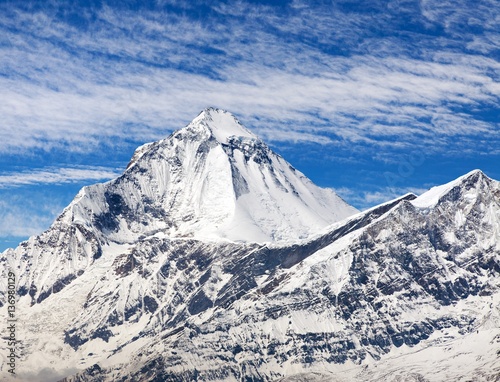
{"x": 211, "y": 124}
{"x": 469, "y": 184}
{"x": 212, "y": 179}
{"x": 220, "y": 124}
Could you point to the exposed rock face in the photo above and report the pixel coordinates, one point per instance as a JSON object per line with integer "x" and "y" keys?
{"x": 396, "y": 277}
{"x": 211, "y": 180}
{"x": 146, "y": 278}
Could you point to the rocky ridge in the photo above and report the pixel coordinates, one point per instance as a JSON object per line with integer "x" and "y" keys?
{"x": 213, "y": 259}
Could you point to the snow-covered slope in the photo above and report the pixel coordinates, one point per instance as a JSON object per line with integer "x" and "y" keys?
{"x": 211, "y": 180}
{"x": 211, "y": 259}
{"x": 395, "y": 291}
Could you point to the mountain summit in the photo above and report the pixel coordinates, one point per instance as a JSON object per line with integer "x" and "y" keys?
{"x": 212, "y": 179}
{"x": 222, "y": 125}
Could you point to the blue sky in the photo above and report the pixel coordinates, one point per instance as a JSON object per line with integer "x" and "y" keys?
{"x": 372, "y": 98}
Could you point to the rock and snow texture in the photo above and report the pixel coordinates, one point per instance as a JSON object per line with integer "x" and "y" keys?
{"x": 215, "y": 179}
{"x": 196, "y": 265}
{"x": 211, "y": 180}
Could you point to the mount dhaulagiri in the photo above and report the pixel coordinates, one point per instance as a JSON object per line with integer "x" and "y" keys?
{"x": 212, "y": 259}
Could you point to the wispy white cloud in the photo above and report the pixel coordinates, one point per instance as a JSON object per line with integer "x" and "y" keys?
{"x": 30, "y": 212}
{"x": 460, "y": 17}
{"x": 24, "y": 217}
{"x": 367, "y": 199}
{"x": 354, "y": 106}
{"x": 141, "y": 74}
{"x": 56, "y": 176}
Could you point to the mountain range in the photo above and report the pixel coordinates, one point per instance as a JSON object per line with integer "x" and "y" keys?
{"x": 212, "y": 259}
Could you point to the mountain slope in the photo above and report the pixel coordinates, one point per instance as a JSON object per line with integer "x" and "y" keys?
{"x": 215, "y": 179}
{"x": 385, "y": 287}
{"x": 211, "y": 180}
{"x": 211, "y": 259}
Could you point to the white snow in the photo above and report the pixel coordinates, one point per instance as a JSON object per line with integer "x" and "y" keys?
{"x": 185, "y": 187}
{"x": 431, "y": 198}
{"x": 204, "y": 191}
{"x": 222, "y": 124}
